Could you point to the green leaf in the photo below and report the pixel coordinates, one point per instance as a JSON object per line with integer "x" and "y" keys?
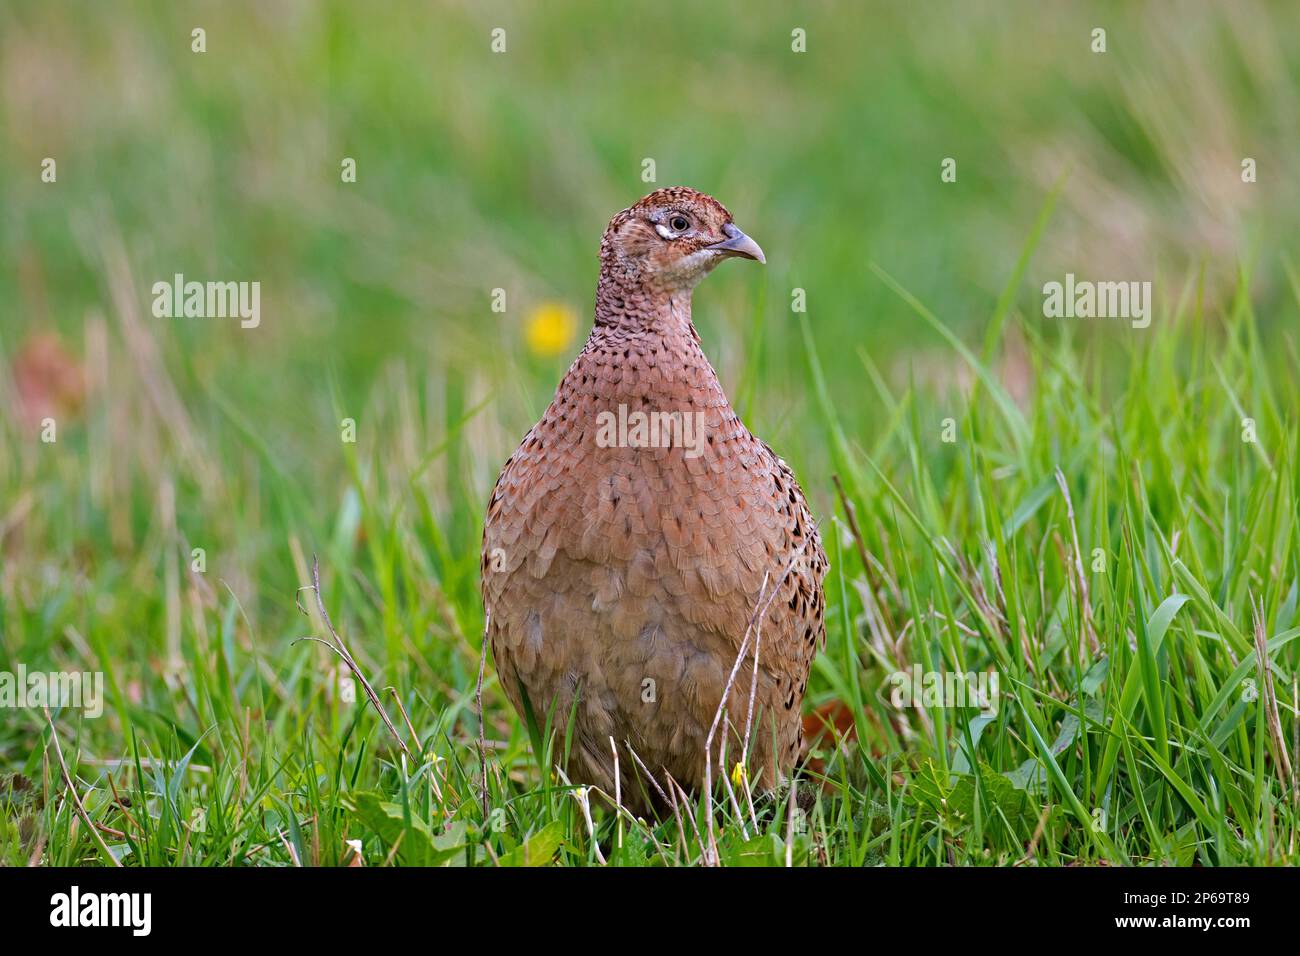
{"x": 539, "y": 849}
{"x": 419, "y": 846}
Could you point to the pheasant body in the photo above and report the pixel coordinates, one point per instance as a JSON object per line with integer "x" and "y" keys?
{"x": 622, "y": 569}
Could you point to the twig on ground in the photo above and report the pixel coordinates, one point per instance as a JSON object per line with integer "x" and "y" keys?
{"x": 789, "y": 827}
{"x": 406, "y": 718}
{"x": 677, "y": 815}
{"x": 754, "y": 627}
{"x": 649, "y": 776}
{"x": 618, "y": 792}
{"x": 685, "y": 799}
{"x": 1032, "y": 849}
{"x": 1269, "y": 694}
{"x": 753, "y": 686}
{"x": 339, "y": 648}
{"x": 72, "y": 789}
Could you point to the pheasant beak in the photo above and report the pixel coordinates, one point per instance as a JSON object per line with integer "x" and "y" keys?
{"x": 738, "y": 244}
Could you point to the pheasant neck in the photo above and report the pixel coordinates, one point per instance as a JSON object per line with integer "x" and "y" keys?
{"x": 626, "y": 302}
{"x": 644, "y": 353}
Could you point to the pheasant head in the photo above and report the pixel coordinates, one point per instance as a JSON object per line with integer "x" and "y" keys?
{"x": 657, "y": 250}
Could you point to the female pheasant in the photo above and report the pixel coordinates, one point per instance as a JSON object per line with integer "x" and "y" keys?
{"x": 639, "y": 530}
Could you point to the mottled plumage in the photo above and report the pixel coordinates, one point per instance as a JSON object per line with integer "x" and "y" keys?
{"x": 627, "y": 574}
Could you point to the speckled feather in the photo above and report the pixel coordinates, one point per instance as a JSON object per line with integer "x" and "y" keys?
{"x": 627, "y": 575}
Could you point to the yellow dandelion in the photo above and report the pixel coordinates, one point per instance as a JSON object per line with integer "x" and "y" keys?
{"x": 551, "y": 327}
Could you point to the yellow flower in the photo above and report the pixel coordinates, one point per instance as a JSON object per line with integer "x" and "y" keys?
{"x": 739, "y": 775}
{"x": 551, "y": 327}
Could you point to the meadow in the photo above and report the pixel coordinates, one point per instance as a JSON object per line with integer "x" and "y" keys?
{"x": 1103, "y": 515}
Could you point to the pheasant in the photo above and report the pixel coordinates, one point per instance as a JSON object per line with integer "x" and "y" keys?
{"x": 640, "y": 532}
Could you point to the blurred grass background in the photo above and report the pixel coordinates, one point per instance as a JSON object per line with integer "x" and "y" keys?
{"x": 479, "y": 171}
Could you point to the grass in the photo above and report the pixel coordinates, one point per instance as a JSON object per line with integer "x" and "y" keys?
{"x": 1098, "y": 532}
{"x": 1117, "y": 554}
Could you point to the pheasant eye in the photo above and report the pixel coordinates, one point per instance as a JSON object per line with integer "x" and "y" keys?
{"x": 679, "y": 223}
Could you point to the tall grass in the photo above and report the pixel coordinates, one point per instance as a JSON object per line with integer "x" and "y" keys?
{"x": 1114, "y": 549}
